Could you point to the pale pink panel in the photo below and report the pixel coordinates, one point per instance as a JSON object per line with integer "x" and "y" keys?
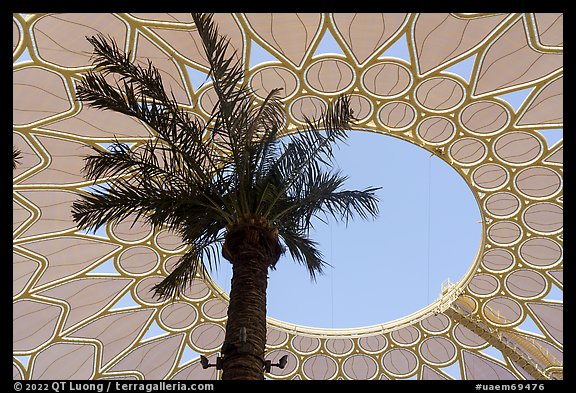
{"x": 466, "y": 337}
{"x": 373, "y": 343}
{"x": 23, "y": 268}
{"x": 19, "y": 215}
{"x": 483, "y": 284}
{"x": 498, "y": 259}
{"x": 406, "y": 336}
{"x": 209, "y": 100}
{"x": 550, "y": 27}
{"x": 116, "y": 331}
{"x": 68, "y": 255}
{"x": 178, "y": 315}
{"x": 266, "y": 79}
{"x": 132, "y": 229}
{"x": 275, "y": 337}
{"x": 28, "y": 157}
{"x": 56, "y": 208}
{"x": 502, "y": 310}
{"x": 144, "y": 290}
{"x": 37, "y": 94}
{"x": 330, "y": 76}
{"x": 196, "y": 290}
{"x": 319, "y": 367}
{"x": 510, "y": 62}
{"x": 188, "y": 43}
{"x": 557, "y": 157}
{"x": 61, "y": 38}
{"x": 208, "y": 336}
{"x": 490, "y": 176}
{"x": 525, "y": 283}
{"x": 194, "y": 371}
{"x": 171, "y": 78}
{"x": 65, "y": 361}
{"x": 218, "y": 309}
{"x": 291, "y": 34}
{"x": 366, "y": 33}
{"x": 95, "y": 123}
{"x": 437, "y": 350}
{"x": 436, "y": 323}
{"x": 154, "y": 359}
{"x": 558, "y": 275}
{"x": 504, "y": 232}
{"x": 431, "y": 374}
{"x": 478, "y": 367}
{"x": 339, "y": 346}
{"x": 547, "y": 106}
{"x": 274, "y": 357}
{"x": 387, "y": 79}
{"x": 361, "y": 106}
{"x": 87, "y": 296}
{"x": 538, "y": 182}
{"x": 440, "y": 93}
{"x": 66, "y": 163}
{"x": 138, "y": 260}
{"x": 171, "y": 263}
{"x": 15, "y": 35}
{"x": 33, "y": 324}
{"x": 551, "y": 316}
{"x": 544, "y": 217}
{"x": 169, "y": 241}
{"x": 360, "y": 367}
{"x": 484, "y": 117}
{"x": 397, "y": 115}
{"x": 305, "y": 344}
{"x": 468, "y": 151}
{"x": 309, "y": 107}
{"x": 440, "y": 37}
{"x": 16, "y": 372}
{"x": 502, "y": 204}
{"x": 400, "y": 361}
{"x": 436, "y": 130}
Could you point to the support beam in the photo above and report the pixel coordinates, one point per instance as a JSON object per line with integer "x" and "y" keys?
{"x": 527, "y": 356}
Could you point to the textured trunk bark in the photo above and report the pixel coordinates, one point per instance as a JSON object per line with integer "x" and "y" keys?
{"x": 251, "y": 250}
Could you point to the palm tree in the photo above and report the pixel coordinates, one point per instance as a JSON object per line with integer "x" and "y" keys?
{"x": 16, "y": 156}
{"x": 243, "y": 191}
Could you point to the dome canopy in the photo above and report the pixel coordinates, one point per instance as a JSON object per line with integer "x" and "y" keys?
{"x": 73, "y": 320}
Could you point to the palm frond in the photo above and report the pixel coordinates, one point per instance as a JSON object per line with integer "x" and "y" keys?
{"x": 204, "y": 235}
{"x": 16, "y": 157}
{"x": 303, "y": 249}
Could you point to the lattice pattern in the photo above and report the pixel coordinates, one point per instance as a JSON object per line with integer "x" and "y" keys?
{"x": 66, "y": 324}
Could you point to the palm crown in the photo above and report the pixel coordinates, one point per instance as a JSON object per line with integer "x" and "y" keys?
{"x": 203, "y": 180}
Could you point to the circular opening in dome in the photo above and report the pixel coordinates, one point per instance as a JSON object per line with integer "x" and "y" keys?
{"x": 428, "y": 231}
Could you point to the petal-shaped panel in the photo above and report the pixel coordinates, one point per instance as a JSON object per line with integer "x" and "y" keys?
{"x": 511, "y": 62}
{"x": 65, "y": 361}
{"x": 290, "y": 34}
{"x": 366, "y": 33}
{"x": 69, "y": 255}
{"x": 87, "y": 296}
{"x": 116, "y": 331}
{"x": 153, "y": 359}
{"x": 441, "y": 37}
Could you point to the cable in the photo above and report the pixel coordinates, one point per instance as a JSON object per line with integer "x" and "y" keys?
{"x": 428, "y": 239}
{"x": 331, "y": 281}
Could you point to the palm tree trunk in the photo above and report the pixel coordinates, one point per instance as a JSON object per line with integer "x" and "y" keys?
{"x": 250, "y": 251}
